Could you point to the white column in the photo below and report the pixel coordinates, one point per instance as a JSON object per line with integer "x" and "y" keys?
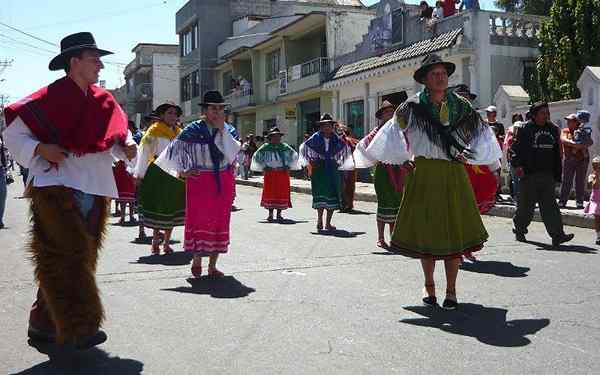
{"x": 368, "y": 105}
{"x": 335, "y": 98}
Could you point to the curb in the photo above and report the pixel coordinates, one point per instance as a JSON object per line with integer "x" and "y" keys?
{"x": 570, "y": 219}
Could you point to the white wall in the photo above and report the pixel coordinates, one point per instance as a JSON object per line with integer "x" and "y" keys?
{"x": 165, "y": 78}
{"x": 345, "y": 30}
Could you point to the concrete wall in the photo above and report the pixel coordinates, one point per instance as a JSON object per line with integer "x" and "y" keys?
{"x": 302, "y": 50}
{"x": 165, "y": 79}
{"x": 345, "y": 30}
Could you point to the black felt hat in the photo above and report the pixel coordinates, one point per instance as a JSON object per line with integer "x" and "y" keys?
{"x": 165, "y": 106}
{"x": 274, "y": 131}
{"x": 464, "y": 91}
{"x": 212, "y": 97}
{"x": 74, "y": 43}
{"x": 429, "y": 62}
{"x": 385, "y": 105}
{"x": 326, "y": 119}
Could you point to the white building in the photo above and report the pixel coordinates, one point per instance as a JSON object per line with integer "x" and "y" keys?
{"x": 488, "y": 48}
{"x": 151, "y": 78}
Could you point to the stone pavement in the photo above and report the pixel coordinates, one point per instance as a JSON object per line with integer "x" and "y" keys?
{"x": 366, "y": 192}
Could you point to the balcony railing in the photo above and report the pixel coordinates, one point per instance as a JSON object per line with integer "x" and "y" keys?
{"x": 240, "y": 98}
{"x": 514, "y": 25}
{"x": 309, "y": 68}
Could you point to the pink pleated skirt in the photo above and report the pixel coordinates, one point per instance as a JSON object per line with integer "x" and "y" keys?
{"x": 208, "y": 212}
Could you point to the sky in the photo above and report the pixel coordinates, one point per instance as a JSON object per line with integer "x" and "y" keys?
{"x": 117, "y": 26}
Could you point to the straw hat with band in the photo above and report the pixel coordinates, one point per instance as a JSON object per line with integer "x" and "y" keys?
{"x": 385, "y": 105}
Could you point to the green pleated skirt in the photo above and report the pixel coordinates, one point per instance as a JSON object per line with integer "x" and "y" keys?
{"x": 161, "y": 199}
{"x": 438, "y": 216}
{"x": 388, "y": 199}
{"x": 326, "y": 186}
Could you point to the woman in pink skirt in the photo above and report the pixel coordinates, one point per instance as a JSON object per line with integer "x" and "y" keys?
{"x": 204, "y": 154}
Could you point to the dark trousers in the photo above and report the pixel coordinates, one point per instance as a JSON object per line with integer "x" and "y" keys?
{"x": 578, "y": 169}
{"x": 538, "y": 188}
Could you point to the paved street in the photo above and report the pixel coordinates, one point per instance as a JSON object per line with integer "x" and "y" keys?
{"x": 303, "y": 303}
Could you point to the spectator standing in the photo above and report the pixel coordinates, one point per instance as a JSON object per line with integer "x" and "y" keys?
{"x": 449, "y": 7}
{"x": 511, "y": 133}
{"x": 469, "y": 5}
{"x": 575, "y": 144}
{"x": 426, "y": 11}
{"x": 593, "y": 206}
{"x": 537, "y": 159}
{"x": 498, "y": 128}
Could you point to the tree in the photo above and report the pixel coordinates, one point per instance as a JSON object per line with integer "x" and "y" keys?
{"x": 568, "y": 43}
{"x": 538, "y": 7}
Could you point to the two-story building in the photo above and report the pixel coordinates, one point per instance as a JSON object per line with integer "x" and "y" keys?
{"x": 489, "y": 49}
{"x": 224, "y": 40}
{"x": 273, "y": 71}
{"x": 151, "y": 78}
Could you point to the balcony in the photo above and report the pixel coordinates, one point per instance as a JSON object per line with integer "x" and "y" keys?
{"x": 240, "y": 99}
{"x": 307, "y": 75}
{"x": 143, "y": 63}
{"x": 514, "y": 28}
{"x": 141, "y": 92}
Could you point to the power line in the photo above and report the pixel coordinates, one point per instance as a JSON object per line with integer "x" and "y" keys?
{"x": 27, "y": 44}
{"x": 29, "y": 35}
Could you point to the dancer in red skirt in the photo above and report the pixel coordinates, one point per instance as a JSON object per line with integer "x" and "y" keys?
{"x": 275, "y": 159}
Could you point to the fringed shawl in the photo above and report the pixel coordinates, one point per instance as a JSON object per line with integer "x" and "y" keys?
{"x": 190, "y": 146}
{"x": 314, "y": 149}
{"x": 270, "y": 152}
{"x": 451, "y": 127}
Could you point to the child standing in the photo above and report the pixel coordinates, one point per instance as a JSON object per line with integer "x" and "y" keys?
{"x": 593, "y": 206}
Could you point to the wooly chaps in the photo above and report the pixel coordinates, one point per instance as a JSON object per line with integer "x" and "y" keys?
{"x": 64, "y": 248}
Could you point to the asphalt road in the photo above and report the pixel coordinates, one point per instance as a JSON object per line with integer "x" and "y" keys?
{"x": 296, "y": 302}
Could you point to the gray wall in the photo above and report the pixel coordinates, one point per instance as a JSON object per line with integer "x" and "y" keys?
{"x": 505, "y": 71}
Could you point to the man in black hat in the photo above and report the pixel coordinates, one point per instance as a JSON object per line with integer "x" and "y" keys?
{"x": 67, "y": 134}
{"x": 536, "y": 157}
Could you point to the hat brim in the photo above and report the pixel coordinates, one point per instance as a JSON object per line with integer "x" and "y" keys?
{"x": 276, "y": 133}
{"x": 203, "y": 104}
{"x": 163, "y": 108}
{"x": 59, "y": 62}
{"x": 420, "y": 73}
{"x": 380, "y": 110}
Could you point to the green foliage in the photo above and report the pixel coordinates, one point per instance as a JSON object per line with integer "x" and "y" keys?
{"x": 568, "y": 43}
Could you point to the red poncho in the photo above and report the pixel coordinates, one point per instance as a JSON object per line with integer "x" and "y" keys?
{"x": 62, "y": 114}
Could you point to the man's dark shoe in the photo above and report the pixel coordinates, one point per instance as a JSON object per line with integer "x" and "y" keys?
{"x": 556, "y": 241}
{"x": 430, "y": 301}
{"x": 450, "y": 304}
{"x": 520, "y": 237}
{"x": 598, "y": 241}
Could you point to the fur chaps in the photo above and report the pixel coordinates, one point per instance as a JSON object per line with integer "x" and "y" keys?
{"x": 64, "y": 249}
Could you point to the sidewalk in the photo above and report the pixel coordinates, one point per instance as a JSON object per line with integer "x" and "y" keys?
{"x": 366, "y": 192}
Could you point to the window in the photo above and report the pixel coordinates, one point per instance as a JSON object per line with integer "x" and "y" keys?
{"x": 355, "y": 117}
{"x": 397, "y": 26}
{"x": 188, "y": 40}
{"x": 195, "y": 84}
{"x": 272, "y": 68}
{"x": 227, "y": 85}
{"x": 186, "y": 88}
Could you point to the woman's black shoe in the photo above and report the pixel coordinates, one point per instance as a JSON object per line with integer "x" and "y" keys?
{"x": 449, "y": 304}
{"x": 430, "y": 301}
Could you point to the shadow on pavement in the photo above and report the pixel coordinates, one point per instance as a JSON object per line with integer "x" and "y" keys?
{"x": 486, "y": 324}
{"x": 178, "y": 258}
{"x": 284, "y": 222}
{"x": 564, "y": 248}
{"x": 225, "y": 287}
{"x": 504, "y": 269}
{"x": 340, "y": 233}
{"x": 356, "y": 212}
{"x": 89, "y": 362}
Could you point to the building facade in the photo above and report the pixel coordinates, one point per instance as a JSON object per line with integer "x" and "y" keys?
{"x": 151, "y": 78}
{"x": 224, "y": 40}
{"x": 488, "y": 48}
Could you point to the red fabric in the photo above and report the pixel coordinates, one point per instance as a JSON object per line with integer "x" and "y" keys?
{"x": 79, "y": 123}
{"x": 449, "y": 7}
{"x": 397, "y": 175}
{"x": 484, "y": 186}
{"x": 276, "y": 190}
{"x": 125, "y": 183}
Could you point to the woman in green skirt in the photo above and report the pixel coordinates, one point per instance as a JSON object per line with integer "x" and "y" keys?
{"x": 161, "y": 195}
{"x": 433, "y": 134}
{"x": 327, "y": 154}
